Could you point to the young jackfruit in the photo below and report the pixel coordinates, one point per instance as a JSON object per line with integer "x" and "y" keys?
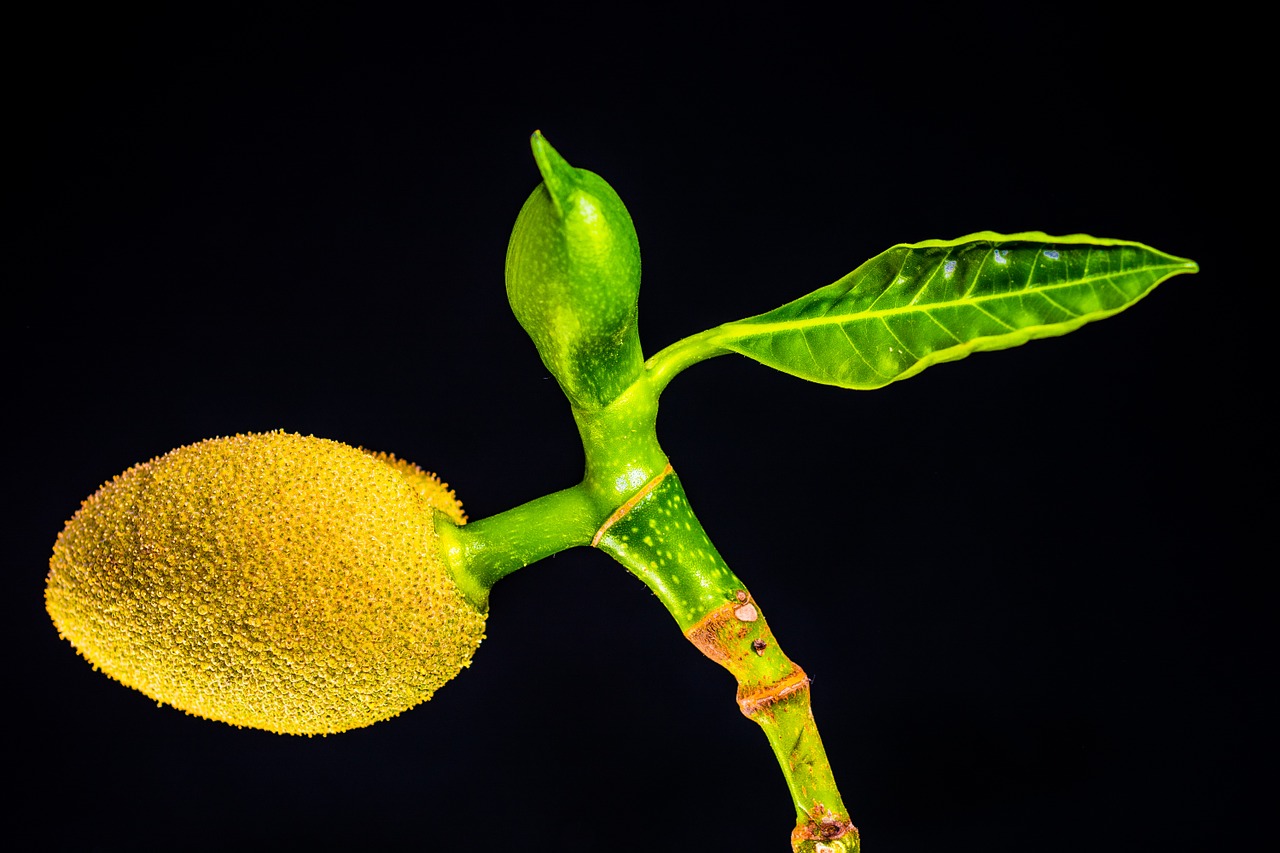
{"x": 272, "y": 580}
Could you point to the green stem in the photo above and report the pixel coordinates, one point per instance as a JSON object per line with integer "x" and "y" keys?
{"x": 631, "y": 505}
{"x": 622, "y": 455}
{"x": 663, "y": 367}
{"x": 481, "y": 553}
{"x": 661, "y": 541}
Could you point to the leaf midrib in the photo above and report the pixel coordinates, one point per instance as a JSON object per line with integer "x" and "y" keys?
{"x": 750, "y": 327}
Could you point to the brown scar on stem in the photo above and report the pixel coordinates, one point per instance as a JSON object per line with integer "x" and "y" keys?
{"x": 706, "y": 634}
{"x": 713, "y": 635}
{"x": 621, "y": 511}
{"x": 771, "y": 689}
{"x": 754, "y": 701}
{"x": 823, "y": 825}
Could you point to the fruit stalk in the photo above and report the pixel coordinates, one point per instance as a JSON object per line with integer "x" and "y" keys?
{"x": 481, "y": 553}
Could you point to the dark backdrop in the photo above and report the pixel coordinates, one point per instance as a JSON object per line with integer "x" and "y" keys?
{"x": 1017, "y": 581}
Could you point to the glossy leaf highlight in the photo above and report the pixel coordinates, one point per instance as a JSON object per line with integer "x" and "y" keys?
{"x": 924, "y": 303}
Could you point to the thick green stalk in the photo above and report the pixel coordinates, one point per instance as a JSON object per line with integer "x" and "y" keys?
{"x": 661, "y": 541}
{"x": 622, "y": 455}
{"x": 632, "y": 506}
{"x": 481, "y": 553}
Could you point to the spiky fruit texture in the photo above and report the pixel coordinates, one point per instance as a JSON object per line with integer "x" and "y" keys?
{"x": 270, "y": 580}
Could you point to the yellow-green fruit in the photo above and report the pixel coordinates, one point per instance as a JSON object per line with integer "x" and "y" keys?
{"x": 276, "y": 581}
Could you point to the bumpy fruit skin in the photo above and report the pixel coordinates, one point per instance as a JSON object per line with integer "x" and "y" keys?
{"x": 272, "y": 580}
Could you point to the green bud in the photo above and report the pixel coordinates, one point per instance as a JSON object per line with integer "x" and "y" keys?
{"x": 573, "y": 280}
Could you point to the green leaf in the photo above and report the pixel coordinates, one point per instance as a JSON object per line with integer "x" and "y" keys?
{"x": 924, "y": 303}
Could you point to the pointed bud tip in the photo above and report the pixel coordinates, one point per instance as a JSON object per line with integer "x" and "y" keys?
{"x": 559, "y": 176}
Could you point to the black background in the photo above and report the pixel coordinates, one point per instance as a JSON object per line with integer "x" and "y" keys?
{"x": 1019, "y": 582}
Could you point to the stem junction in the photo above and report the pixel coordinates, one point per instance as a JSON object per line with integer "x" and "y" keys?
{"x": 632, "y": 505}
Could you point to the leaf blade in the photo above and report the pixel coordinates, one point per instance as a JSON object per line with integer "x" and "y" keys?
{"x": 919, "y": 304}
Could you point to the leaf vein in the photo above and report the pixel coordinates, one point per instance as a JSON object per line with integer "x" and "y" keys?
{"x": 997, "y": 319}
{"x": 1110, "y": 282}
{"x": 1056, "y": 304}
{"x": 858, "y": 352}
{"x": 897, "y": 275}
{"x": 920, "y": 290}
{"x": 977, "y": 275}
{"x": 804, "y": 335}
{"x": 890, "y": 330}
{"x": 940, "y": 325}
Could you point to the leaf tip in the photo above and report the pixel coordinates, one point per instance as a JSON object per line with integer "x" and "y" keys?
{"x": 1181, "y": 266}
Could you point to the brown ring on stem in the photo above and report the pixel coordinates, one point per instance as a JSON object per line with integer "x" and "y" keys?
{"x": 621, "y": 511}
